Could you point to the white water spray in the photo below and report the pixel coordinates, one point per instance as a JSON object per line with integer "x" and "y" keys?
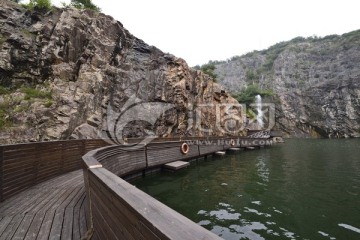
{"x": 260, "y": 113}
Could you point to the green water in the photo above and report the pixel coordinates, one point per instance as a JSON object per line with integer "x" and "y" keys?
{"x": 303, "y": 189}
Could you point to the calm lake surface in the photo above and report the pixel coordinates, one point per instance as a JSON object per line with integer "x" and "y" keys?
{"x": 303, "y": 189}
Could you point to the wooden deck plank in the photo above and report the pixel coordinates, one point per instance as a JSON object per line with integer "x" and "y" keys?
{"x": 41, "y": 202}
{"x": 82, "y": 221}
{"x": 25, "y": 197}
{"x": 4, "y": 223}
{"x": 76, "y": 217}
{"x": 31, "y": 199}
{"x": 57, "y": 224}
{"x": 9, "y": 207}
{"x": 67, "y": 229}
{"x": 47, "y": 223}
{"x": 23, "y": 227}
{"x": 176, "y": 165}
{"x": 12, "y": 227}
{"x": 35, "y": 226}
{"x": 35, "y": 201}
{"x": 31, "y": 213}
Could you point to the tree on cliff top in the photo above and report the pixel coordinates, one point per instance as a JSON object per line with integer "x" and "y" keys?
{"x": 208, "y": 69}
{"x": 85, "y": 4}
{"x": 41, "y": 4}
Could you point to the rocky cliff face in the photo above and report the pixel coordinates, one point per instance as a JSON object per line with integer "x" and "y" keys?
{"x": 316, "y": 82}
{"x": 63, "y": 72}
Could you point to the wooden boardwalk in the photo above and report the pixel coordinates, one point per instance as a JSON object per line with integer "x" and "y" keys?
{"x": 50, "y": 210}
{"x": 42, "y": 195}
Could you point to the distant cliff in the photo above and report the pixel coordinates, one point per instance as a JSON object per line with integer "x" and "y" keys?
{"x": 316, "y": 83}
{"x": 63, "y": 71}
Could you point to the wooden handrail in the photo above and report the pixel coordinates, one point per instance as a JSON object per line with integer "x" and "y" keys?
{"x": 138, "y": 215}
{"x": 120, "y": 210}
{"x": 25, "y": 165}
{"x": 118, "y": 204}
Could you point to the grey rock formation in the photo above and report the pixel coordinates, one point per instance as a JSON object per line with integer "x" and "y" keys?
{"x": 316, "y": 82}
{"x": 89, "y": 63}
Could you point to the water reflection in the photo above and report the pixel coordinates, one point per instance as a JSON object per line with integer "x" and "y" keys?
{"x": 357, "y": 230}
{"x": 262, "y": 169}
{"x": 304, "y": 189}
{"x": 326, "y": 235}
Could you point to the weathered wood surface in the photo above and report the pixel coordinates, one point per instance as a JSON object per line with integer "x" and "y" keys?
{"x": 208, "y": 149}
{"x": 176, "y": 165}
{"x": 162, "y": 153}
{"x": 35, "y": 207}
{"x": 121, "y": 211}
{"x": 234, "y": 149}
{"x": 121, "y": 160}
{"x": 220, "y": 153}
{"x": 25, "y": 165}
{"x": 49, "y": 210}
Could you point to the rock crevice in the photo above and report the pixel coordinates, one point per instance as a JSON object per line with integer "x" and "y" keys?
{"x": 90, "y": 63}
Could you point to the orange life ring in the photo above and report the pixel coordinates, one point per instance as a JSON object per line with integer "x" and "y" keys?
{"x": 184, "y": 148}
{"x": 232, "y": 142}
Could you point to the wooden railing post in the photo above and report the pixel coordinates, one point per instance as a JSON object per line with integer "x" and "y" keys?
{"x": 62, "y": 159}
{"x": 83, "y": 147}
{"x": 198, "y": 147}
{"x": 146, "y": 156}
{"x": 1, "y": 171}
{"x": 36, "y": 162}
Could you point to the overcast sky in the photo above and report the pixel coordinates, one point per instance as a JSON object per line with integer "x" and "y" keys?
{"x": 203, "y": 30}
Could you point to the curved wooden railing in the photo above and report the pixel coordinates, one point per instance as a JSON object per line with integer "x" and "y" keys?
{"x": 25, "y": 165}
{"x": 114, "y": 202}
{"x": 118, "y": 210}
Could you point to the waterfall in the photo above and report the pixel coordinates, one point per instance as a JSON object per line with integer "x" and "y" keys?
{"x": 260, "y": 113}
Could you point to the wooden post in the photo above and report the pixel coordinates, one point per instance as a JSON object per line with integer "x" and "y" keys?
{"x": 82, "y": 150}
{"x": 83, "y": 147}
{"x": 62, "y": 160}
{"x": 1, "y": 171}
{"x": 146, "y": 157}
{"x": 36, "y": 162}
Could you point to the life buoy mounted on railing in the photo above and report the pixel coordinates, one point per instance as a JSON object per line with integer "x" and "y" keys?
{"x": 184, "y": 148}
{"x": 232, "y": 142}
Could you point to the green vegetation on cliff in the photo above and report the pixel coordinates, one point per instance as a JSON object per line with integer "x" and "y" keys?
{"x": 208, "y": 69}
{"x": 31, "y": 93}
{"x": 85, "y": 4}
{"x": 46, "y": 4}
{"x": 4, "y": 90}
{"x": 315, "y": 82}
{"x": 247, "y": 94}
{"x": 300, "y": 62}
{"x": 19, "y": 101}
{"x": 40, "y": 4}
{"x": 2, "y": 39}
